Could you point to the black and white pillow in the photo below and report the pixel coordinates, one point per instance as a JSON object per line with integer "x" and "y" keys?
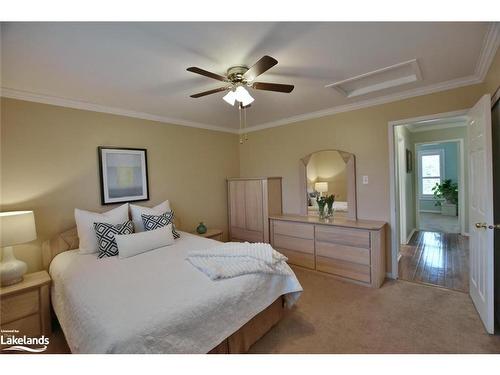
{"x": 106, "y": 237}
{"x": 152, "y": 222}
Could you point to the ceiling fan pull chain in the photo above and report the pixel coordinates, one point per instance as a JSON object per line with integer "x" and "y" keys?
{"x": 241, "y": 134}
{"x": 245, "y": 122}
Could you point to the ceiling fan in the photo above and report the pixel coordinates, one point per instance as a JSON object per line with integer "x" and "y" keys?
{"x": 237, "y": 77}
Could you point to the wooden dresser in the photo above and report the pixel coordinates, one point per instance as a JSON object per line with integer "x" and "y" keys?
{"x": 353, "y": 250}
{"x": 250, "y": 202}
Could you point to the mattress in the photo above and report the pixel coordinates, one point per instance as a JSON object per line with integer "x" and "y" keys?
{"x": 156, "y": 302}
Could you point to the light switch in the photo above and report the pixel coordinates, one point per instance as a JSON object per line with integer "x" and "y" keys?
{"x": 365, "y": 180}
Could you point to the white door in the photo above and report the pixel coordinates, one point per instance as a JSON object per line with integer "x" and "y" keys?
{"x": 481, "y": 210}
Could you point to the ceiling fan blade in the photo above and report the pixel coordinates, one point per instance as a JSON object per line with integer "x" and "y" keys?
{"x": 261, "y": 66}
{"x": 204, "y": 93}
{"x": 206, "y": 73}
{"x": 273, "y": 87}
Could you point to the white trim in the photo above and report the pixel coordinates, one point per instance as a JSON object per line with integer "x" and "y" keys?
{"x": 409, "y": 237}
{"x": 70, "y": 103}
{"x": 416, "y": 76}
{"x": 491, "y": 43}
{"x": 394, "y": 217}
{"x": 448, "y": 85}
{"x": 430, "y": 211}
{"x": 76, "y": 104}
{"x": 436, "y": 127}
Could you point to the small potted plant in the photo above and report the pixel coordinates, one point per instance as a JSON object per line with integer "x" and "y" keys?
{"x": 446, "y": 196}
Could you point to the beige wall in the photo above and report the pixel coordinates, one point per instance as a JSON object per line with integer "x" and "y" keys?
{"x": 277, "y": 151}
{"x": 49, "y": 164}
{"x": 49, "y": 158}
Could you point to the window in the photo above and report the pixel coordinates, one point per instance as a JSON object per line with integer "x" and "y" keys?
{"x": 430, "y": 170}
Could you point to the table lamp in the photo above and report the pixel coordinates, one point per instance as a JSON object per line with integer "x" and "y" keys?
{"x": 16, "y": 227}
{"x": 321, "y": 187}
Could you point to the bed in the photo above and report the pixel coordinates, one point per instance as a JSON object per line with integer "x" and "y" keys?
{"x": 157, "y": 302}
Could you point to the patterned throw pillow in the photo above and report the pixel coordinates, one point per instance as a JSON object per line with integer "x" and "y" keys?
{"x": 152, "y": 222}
{"x": 106, "y": 237}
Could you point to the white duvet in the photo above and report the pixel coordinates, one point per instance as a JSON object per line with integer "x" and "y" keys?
{"x": 156, "y": 302}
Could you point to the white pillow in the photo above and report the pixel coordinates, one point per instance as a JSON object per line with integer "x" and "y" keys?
{"x": 137, "y": 243}
{"x": 137, "y": 211}
{"x": 85, "y": 225}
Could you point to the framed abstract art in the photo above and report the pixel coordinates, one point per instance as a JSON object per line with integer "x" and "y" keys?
{"x": 123, "y": 174}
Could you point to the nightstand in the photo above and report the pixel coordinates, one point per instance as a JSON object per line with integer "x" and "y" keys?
{"x": 25, "y": 306}
{"x": 214, "y": 234}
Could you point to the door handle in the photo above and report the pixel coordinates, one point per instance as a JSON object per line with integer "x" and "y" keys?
{"x": 486, "y": 226}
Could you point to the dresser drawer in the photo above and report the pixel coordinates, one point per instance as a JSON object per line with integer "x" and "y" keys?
{"x": 19, "y": 306}
{"x": 298, "y": 258}
{"x": 351, "y": 254}
{"x": 29, "y": 326}
{"x": 293, "y": 229}
{"x": 342, "y": 268}
{"x": 242, "y": 235}
{"x": 343, "y": 236}
{"x": 292, "y": 243}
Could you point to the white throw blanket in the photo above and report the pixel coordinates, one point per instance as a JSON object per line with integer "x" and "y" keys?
{"x": 233, "y": 259}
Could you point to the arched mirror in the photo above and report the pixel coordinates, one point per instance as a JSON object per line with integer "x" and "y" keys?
{"x": 325, "y": 173}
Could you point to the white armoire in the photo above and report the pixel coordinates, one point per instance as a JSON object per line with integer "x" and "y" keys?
{"x": 250, "y": 203}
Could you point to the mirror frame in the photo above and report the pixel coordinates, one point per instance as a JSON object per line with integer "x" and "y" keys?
{"x": 350, "y": 161}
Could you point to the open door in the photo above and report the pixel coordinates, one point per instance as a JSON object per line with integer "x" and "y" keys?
{"x": 480, "y": 204}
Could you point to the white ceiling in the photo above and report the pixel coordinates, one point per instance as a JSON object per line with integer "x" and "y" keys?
{"x": 140, "y": 68}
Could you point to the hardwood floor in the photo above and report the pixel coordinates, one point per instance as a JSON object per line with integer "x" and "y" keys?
{"x": 436, "y": 258}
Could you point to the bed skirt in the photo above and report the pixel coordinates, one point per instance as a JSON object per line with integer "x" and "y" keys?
{"x": 240, "y": 341}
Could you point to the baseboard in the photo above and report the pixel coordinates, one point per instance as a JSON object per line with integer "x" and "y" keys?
{"x": 410, "y": 236}
{"x": 430, "y": 211}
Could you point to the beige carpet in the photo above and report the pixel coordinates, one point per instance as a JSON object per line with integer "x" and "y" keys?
{"x": 401, "y": 317}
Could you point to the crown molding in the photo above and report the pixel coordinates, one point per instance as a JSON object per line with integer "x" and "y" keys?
{"x": 491, "y": 43}
{"x": 443, "y": 86}
{"x": 76, "y": 104}
{"x": 490, "y": 46}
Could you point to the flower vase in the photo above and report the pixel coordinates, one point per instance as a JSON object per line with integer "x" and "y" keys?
{"x": 322, "y": 213}
{"x": 330, "y": 211}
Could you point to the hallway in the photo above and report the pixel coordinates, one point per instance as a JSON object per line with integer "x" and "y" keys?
{"x": 436, "y": 258}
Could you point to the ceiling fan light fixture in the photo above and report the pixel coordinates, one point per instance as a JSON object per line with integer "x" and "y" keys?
{"x": 243, "y": 96}
{"x": 230, "y": 98}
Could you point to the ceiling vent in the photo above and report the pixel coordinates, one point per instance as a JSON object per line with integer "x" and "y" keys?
{"x": 381, "y": 79}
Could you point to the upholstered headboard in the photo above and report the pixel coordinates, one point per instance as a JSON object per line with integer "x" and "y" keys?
{"x": 64, "y": 241}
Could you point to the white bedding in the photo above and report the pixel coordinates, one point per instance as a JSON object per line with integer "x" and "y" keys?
{"x": 156, "y": 302}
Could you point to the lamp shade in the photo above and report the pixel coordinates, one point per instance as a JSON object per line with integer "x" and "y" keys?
{"x": 17, "y": 227}
{"x": 321, "y": 187}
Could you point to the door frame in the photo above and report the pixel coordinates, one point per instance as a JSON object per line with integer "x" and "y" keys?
{"x": 394, "y": 181}
{"x": 461, "y": 182}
